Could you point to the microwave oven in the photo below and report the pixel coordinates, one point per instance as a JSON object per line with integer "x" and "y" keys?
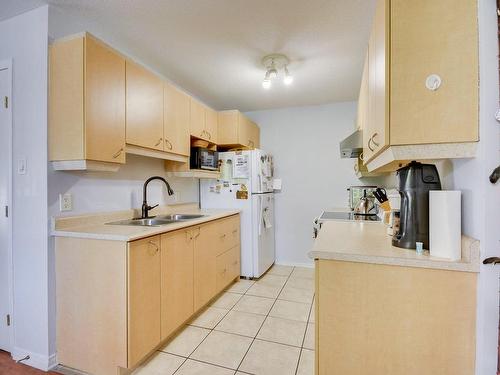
{"x": 204, "y": 158}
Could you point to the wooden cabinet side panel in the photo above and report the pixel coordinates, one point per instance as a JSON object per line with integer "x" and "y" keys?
{"x": 91, "y": 295}
{"x": 144, "y": 107}
{"x": 434, "y": 37}
{"x": 104, "y": 103}
{"x": 244, "y": 130}
{"x": 176, "y": 280}
{"x": 363, "y": 97}
{"x": 227, "y": 126}
{"x": 394, "y": 320}
{"x": 144, "y": 283}
{"x": 176, "y": 121}
{"x": 66, "y": 101}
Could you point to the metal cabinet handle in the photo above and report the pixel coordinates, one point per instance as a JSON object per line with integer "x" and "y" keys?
{"x": 118, "y": 153}
{"x": 223, "y": 236}
{"x": 197, "y": 234}
{"x": 157, "y": 248}
{"x": 235, "y": 263}
{"x": 235, "y": 231}
{"x": 159, "y": 141}
{"x": 369, "y": 145}
{"x": 491, "y": 260}
{"x": 373, "y": 139}
{"x": 169, "y": 144}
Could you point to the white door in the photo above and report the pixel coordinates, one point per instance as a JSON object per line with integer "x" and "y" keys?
{"x": 264, "y": 253}
{"x": 5, "y": 167}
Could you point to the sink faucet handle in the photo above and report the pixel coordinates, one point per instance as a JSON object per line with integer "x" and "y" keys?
{"x": 151, "y": 207}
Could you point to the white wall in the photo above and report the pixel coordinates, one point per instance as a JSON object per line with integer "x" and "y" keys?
{"x": 314, "y": 179}
{"x": 112, "y": 191}
{"x": 481, "y": 199}
{"x": 24, "y": 40}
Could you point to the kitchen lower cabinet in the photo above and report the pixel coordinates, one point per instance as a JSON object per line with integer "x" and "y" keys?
{"x": 228, "y": 268}
{"x": 143, "y": 298}
{"x": 393, "y": 320}
{"x": 205, "y": 238}
{"x": 176, "y": 280}
{"x": 118, "y": 301}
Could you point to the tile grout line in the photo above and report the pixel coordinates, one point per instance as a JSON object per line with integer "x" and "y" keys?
{"x": 267, "y": 315}
{"x": 211, "y": 330}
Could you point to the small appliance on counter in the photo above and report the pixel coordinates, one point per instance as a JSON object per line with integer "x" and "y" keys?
{"x": 356, "y": 193}
{"x": 204, "y": 158}
{"x": 415, "y": 182}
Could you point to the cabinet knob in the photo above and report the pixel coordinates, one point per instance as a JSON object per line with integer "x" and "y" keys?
{"x": 433, "y": 82}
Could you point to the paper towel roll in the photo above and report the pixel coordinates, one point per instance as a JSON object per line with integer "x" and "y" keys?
{"x": 445, "y": 223}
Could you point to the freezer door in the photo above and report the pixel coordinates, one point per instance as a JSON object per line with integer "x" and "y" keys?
{"x": 264, "y": 253}
{"x": 262, "y": 172}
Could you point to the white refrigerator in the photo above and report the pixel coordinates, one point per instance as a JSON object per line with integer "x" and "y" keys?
{"x": 246, "y": 184}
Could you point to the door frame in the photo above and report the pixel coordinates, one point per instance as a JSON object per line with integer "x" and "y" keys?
{"x": 7, "y": 65}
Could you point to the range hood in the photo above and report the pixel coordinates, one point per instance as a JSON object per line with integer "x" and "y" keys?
{"x": 352, "y": 146}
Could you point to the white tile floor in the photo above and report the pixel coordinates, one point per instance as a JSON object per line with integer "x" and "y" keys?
{"x": 263, "y": 327}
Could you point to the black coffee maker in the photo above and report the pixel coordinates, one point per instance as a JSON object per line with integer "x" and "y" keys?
{"x": 415, "y": 182}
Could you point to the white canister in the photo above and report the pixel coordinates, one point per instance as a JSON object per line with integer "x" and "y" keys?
{"x": 445, "y": 222}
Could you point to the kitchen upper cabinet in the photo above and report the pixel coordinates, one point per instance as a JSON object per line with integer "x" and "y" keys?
{"x": 423, "y": 101}
{"x": 205, "y": 253}
{"x": 176, "y": 280}
{"x": 86, "y": 105}
{"x": 376, "y": 132}
{"x": 144, "y": 286}
{"x": 203, "y": 122}
{"x": 144, "y": 108}
{"x": 237, "y": 130}
{"x": 176, "y": 116}
{"x": 362, "y": 114}
{"x": 211, "y": 122}
{"x": 434, "y": 37}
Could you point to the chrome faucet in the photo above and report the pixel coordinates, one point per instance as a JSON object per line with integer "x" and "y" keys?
{"x": 145, "y": 207}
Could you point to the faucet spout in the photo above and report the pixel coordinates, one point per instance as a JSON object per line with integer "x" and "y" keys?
{"x": 145, "y": 206}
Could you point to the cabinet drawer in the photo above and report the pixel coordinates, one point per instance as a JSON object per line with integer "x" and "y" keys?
{"x": 228, "y": 267}
{"x": 228, "y": 235}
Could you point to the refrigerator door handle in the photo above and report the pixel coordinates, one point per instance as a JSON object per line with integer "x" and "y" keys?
{"x": 261, "y": 215}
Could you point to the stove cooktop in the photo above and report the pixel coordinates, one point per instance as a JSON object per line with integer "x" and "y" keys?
{"x": 349, "y": 216}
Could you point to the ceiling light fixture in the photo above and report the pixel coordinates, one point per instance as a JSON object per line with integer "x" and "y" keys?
{"x": 273, "y": 63}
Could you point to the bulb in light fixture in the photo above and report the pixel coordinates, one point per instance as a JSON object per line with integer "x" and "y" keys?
{"x": 266, "y": 83}
{"x": 288, "y": 79}
{"x": 273, "y": 73}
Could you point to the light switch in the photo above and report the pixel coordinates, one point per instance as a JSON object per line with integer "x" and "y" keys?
{"x": 21, "y": 166}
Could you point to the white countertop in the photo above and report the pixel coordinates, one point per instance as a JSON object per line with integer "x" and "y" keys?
{"x": 93, "y": 226}
{"x": 356, "y": 241}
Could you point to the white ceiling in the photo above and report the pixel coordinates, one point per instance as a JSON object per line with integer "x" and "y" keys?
{"x": 213, "y": 48}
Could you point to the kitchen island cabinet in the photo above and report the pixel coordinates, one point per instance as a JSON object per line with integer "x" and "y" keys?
{"x": 390, "y": 311}
{"x": 120, "y": 297}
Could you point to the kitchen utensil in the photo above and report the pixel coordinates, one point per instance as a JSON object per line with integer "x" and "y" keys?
{"x": 365, "y": 205}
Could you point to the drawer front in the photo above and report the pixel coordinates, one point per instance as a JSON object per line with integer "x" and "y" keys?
{"x": 228, "y": 267}
{"x": 228, "y": 234}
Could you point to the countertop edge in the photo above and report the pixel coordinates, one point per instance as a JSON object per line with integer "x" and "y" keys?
{"x": 81, "y": 232}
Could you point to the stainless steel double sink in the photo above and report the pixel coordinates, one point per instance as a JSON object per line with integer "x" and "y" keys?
{"x": 157, "y": 221}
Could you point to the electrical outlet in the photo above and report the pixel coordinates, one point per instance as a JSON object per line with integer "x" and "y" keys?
{"x": 65, "y": 202}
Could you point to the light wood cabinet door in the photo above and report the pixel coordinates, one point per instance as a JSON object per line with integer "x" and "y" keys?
{"x": 197, "y": 120}
{"x": 144, "y": 108}
{"x": 255, "y": 135}
{"x": 227, "y": 129}
{"x": 434, "y": 37}
{"x": 377, "y": 130}
{"x": 228, "y": 234}
{"x": 363, "y": 98}
{"x": 204, "y": 264}
{"x": 176, "y": 280}
{"x": 228, "y": 268}
{"x": 143, "y": 298}
{"x": 211, "y": 124}
{"x": 104, "y": 103}
{"x": 176, "y": 121}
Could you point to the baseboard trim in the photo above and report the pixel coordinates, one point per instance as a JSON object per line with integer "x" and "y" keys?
{"x": 36, "y": 360}
{"x": 295, "y": 264}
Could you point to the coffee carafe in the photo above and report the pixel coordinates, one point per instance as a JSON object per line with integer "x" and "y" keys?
{"x": 415, "y": 182}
